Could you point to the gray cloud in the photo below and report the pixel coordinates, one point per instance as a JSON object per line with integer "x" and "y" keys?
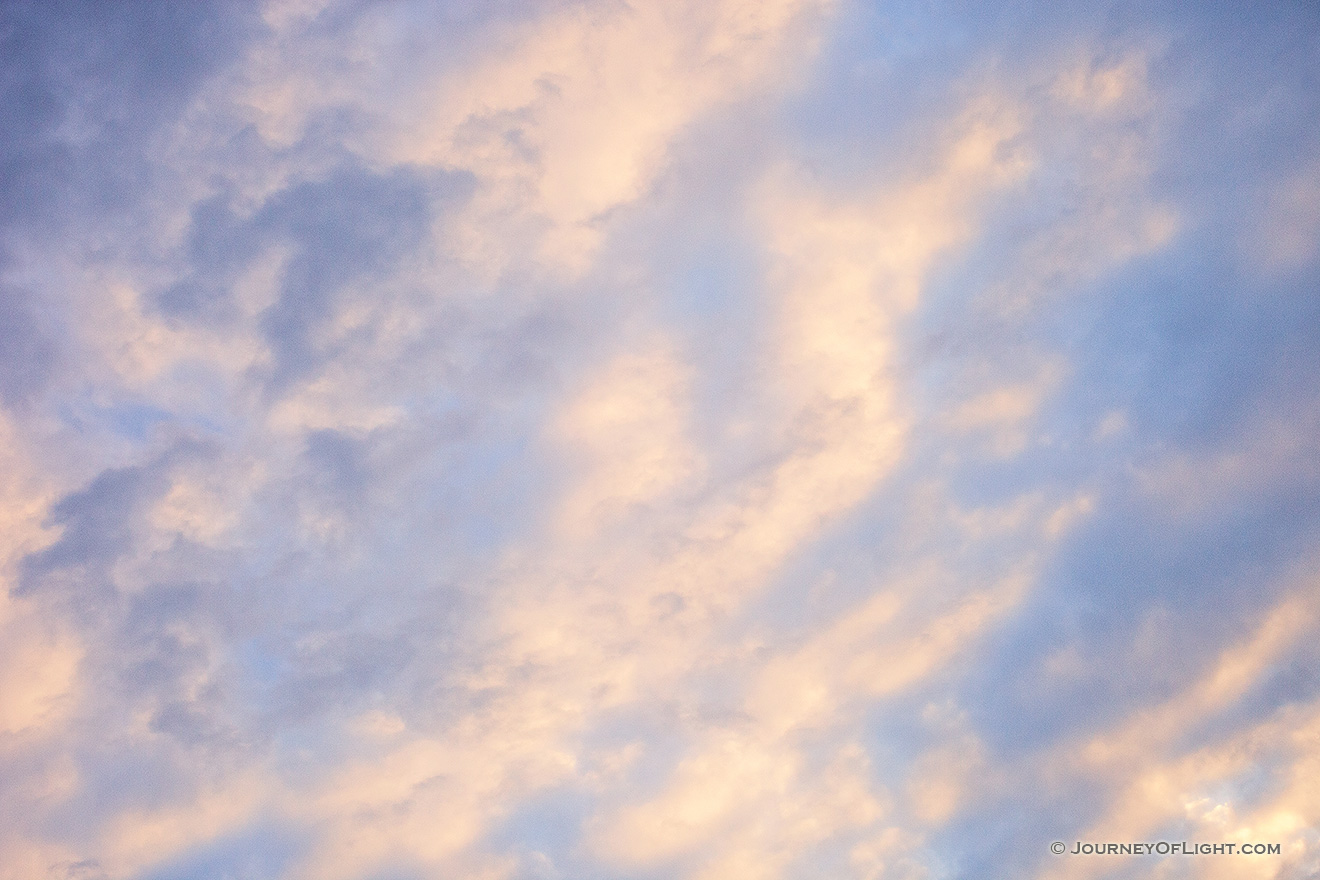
{"x": 28, "y": 354}
{"x": 86, "y": 84}
{"x": 97, "y": 524}
{"x": 344, "y": 229}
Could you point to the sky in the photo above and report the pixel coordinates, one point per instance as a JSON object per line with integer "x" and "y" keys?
{"x": 658, "y": 439}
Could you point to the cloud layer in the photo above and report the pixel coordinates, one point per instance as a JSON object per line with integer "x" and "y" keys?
{"x": 741, "y": 440}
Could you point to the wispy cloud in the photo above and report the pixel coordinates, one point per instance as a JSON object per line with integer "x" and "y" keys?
{"x": 745, "y": 440}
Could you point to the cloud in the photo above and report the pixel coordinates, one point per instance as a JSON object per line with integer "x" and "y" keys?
{"x": 749, "y": 440}
{"x": 29, "y": 354}
{"x": 1288, "y": 237}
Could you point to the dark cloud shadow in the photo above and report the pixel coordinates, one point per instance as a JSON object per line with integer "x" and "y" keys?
{"x": 28, "y": 350}
{"x": 83, "y": 85}
{"x": 345, "y": 231}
